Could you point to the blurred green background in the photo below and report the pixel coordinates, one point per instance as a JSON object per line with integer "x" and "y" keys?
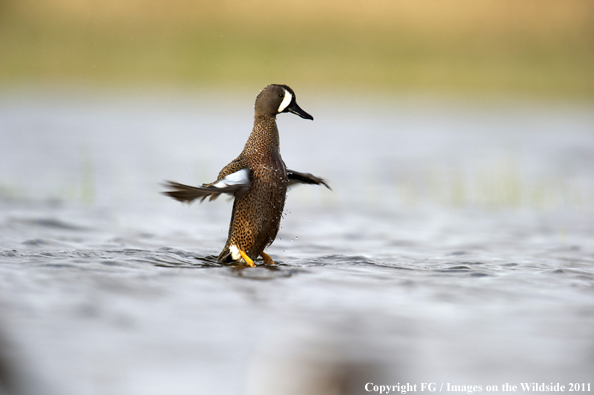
{"x": 534, "y": 48}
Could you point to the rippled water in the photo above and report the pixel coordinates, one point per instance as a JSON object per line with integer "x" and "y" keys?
{"x": 457, "y": 246}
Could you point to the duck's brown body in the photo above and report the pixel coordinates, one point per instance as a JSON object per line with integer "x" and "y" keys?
{"x": 258, "y": 178}
{"x": 256, "y": 215}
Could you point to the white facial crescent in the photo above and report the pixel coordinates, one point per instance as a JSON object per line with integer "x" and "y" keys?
{"x": 286, "y": 101}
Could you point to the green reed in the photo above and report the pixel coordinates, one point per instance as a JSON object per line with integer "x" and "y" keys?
{"x": 498, "y": 185}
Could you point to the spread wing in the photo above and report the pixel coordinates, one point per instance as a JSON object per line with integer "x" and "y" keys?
{"x": 233, "y": 184}
{"x": 296, "y": 177}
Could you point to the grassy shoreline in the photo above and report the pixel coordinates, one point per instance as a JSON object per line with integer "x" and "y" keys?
{"x": 512, "y": 54}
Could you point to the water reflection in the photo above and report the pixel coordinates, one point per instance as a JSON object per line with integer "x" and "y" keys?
{"x": 322, "y": 359}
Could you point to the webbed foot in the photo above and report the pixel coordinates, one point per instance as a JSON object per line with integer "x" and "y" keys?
{"x": 247, "y": 259}
{"x": 267, "y": 259}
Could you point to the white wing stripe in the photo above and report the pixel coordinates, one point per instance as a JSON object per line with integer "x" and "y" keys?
{"x": 239, "y": 177}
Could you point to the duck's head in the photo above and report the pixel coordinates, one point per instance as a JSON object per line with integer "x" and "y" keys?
{"x": 276, "y": 99}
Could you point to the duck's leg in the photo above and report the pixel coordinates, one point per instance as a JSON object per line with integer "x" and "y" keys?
{"x": 267, "y": 259}
{"x": 247, "y": 259}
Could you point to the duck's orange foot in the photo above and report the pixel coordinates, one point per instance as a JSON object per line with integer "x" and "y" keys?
{"x": 247, "y": 259}
{"x": 267, "y": 259}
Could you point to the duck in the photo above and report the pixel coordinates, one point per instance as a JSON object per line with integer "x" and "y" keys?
{"x": 257, "y": 180}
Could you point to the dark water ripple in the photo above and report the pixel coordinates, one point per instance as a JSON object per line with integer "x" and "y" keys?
{"x": 50, "y": 223}
{"x": 167, "y": 257}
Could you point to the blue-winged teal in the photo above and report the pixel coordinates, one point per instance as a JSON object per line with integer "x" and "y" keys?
{"x": 257, "y": 178}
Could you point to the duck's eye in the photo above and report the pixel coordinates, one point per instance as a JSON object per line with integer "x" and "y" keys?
{"x": 281, "y": 95}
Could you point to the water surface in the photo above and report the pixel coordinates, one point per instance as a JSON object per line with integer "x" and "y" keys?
{"x": 456, "y": 247}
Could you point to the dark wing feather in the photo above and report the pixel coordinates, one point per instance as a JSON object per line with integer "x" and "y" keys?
{"x": 296, "y": 177}
{"x": 187, "y": 193}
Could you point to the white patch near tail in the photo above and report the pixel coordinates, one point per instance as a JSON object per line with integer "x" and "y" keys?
{"x": 286, "y": 101}
{"x": 235, "y": 253}
{"x": 239, "y": 177}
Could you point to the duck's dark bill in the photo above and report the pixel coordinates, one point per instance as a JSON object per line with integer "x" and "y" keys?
{"x": 295, "y": 109}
